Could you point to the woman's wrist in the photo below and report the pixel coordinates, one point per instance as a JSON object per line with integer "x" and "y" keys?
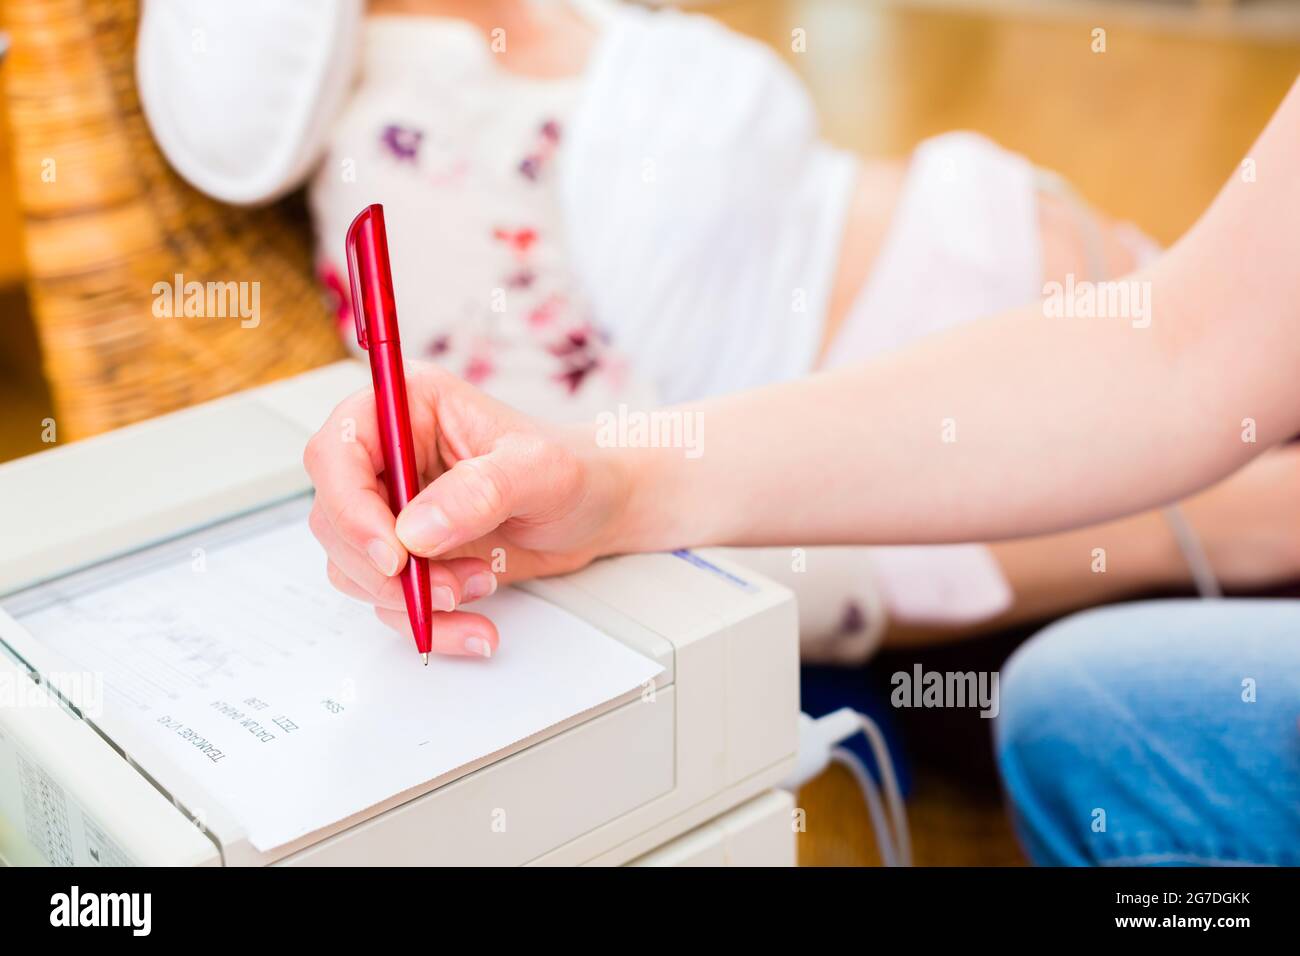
{"x": 638, "y": 497}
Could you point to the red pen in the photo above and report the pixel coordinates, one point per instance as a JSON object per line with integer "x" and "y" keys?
{"x": 376, "y": 317}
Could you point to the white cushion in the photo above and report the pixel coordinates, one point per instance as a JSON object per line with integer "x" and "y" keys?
{"x": 240, "y": 94}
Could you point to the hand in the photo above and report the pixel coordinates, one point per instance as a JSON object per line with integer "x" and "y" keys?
{"x": 504, "y": 492}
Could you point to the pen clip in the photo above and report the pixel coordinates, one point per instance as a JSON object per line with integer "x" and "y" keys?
{"x": 354, "y": 276}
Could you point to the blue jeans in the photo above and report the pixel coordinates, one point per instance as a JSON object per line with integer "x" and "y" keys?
{"x": 1159, "y": 733}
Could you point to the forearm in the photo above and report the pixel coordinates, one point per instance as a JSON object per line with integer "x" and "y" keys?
{"x": 1055, "y": 574}
{"x": 1016, "y": 426}
{"x": 1021, "y": 424}
{"x": 943, "y": 442}
{"x": 1245, "y": 525}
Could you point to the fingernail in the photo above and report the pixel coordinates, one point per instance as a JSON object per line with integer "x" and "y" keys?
{"x": 478, "y": 646}
{"x": 443, "y": 599}
{"x": 423, "y": 528}
{"x": 383, "y": 557}
{"x": 480, "y": 585}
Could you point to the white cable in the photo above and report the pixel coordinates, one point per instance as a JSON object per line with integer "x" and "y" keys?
{"x": 847, "y": 759}
{"x": 893, "y": 796}
{"x": 819, "y": 742}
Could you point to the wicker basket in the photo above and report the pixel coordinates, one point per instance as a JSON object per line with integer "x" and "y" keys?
{"x": 106, "y": 220}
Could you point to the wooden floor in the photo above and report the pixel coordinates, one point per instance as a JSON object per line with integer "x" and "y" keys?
{"x": 949, "y": 825}
{"x": 1147, "y": 130}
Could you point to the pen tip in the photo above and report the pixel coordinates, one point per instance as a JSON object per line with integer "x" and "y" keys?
{"x": 425, "y": 658}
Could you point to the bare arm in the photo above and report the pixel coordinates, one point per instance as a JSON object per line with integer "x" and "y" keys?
{"x": 1013, "y": 426}
{"x": 1024, "y": 423}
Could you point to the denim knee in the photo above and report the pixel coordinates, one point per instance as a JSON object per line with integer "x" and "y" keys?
{"x": 1039, "y": 731}
{"x": 1132, "y": 734}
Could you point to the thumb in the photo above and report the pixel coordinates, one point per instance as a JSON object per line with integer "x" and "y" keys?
{"x": 462, "y": 504}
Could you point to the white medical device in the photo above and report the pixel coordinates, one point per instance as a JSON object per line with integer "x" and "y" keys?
{"x": 688, "y": 780}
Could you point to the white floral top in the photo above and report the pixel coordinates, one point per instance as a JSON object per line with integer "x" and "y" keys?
{"x": 463, "y": 156}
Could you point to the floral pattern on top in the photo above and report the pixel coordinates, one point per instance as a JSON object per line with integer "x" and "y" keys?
{"x": 548, "y": 140}
{"x": 500, "y": 308}
{"x": 402, "y": 142}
